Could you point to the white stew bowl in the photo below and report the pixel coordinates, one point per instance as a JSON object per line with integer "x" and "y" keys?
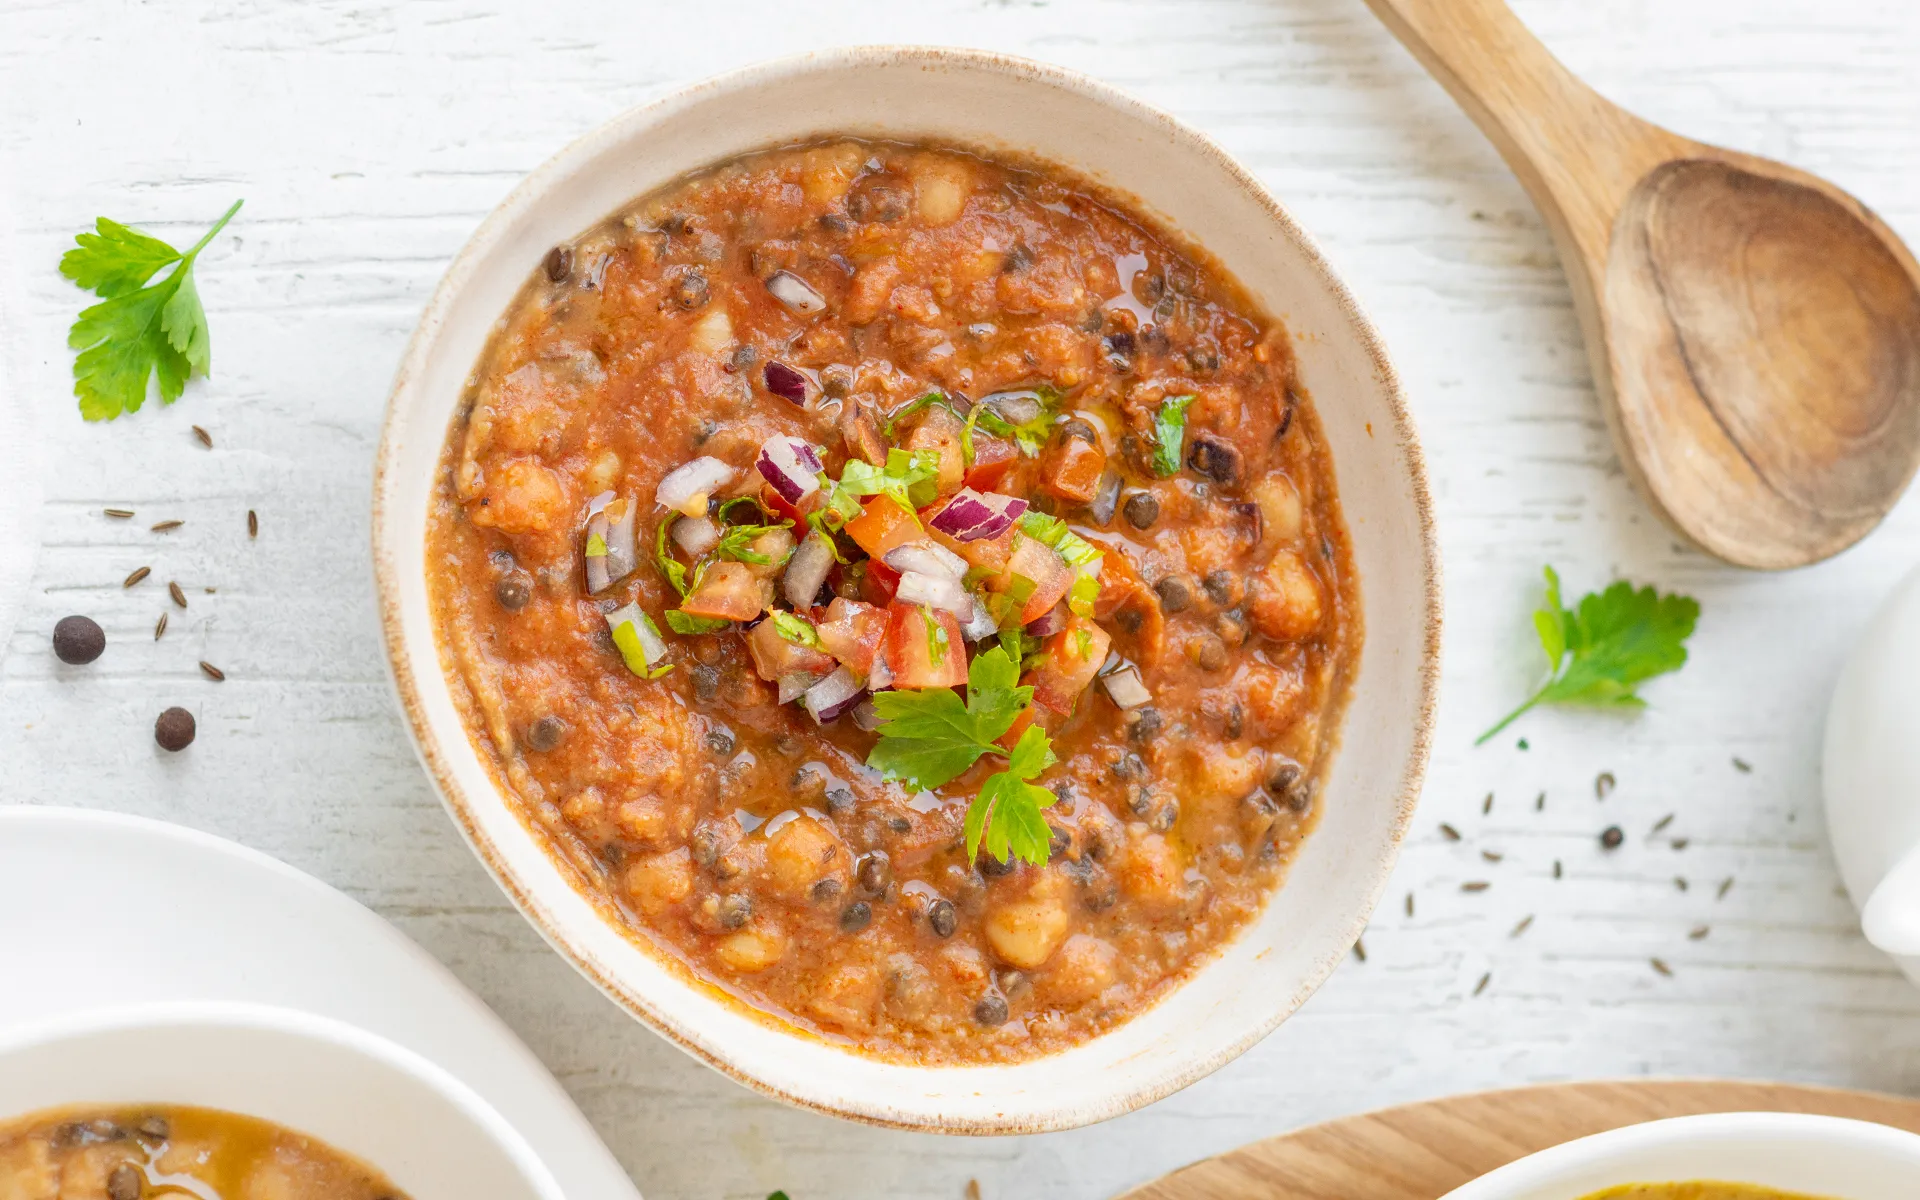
{"x": 1793, "y": 1152}
{"x": 994, "y": 104}
{"x": 379, "y": 1102}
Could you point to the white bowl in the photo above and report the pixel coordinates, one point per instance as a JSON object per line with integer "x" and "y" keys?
{"x": 993, "y": 103}
{"x": 1814, "y": 1156}
{"x": 383, "y": 1104}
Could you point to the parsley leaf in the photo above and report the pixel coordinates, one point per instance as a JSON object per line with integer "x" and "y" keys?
{"x": 797, "y": 630}
{"x": 1169, "y": 433}
{"x": 735, "y": 541}
{"x": 137, "y": 332}
{"x": 671, "y": 567}
{"x": 1598, "y": 653}
{"x": 911, "y": 478}
{"x": 686, "y": 622}
{"x": 1005, "y": 817}
{"x": 1030, "y": 435}
{"x": 929, "y": 737}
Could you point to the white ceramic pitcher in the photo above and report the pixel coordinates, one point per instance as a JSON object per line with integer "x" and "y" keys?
{"x": 1871, "y": 777}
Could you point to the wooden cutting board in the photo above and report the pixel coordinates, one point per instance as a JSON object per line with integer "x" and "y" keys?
{"x": 1423, "y": 1151}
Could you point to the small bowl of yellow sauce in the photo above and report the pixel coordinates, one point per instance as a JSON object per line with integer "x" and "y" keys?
{"x": 1717, "y": 1156}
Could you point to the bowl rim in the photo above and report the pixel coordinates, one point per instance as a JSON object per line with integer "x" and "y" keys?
{"x": 1544, "y": 1167}
{"x": 334, "y": 1034}
{"x": 435, "y": 758}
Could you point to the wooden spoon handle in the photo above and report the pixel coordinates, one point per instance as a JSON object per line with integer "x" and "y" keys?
{"x": 1577, "y": 154}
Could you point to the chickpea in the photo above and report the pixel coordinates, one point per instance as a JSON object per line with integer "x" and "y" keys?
{"x": 713, "y": 332}
{"x": 801, "y": 854}
{"x": 1281, "y": 514}
{"x": 521, "y": 497}
{"x": 847, "y": 995}
{"x": 1289, "y": 605}
{"x": 1026, "y": 932}
{"x": 940, "y": 186}
{"x": 1152, "y": 871}
{"x": 751, "y": 950}
{"x": 660, "y": 881}
{"x": 604, "y": 471}
{"x": 1084, "y": 967}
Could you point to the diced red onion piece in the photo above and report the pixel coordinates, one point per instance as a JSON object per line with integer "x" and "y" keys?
{"x": 793, "y": 291}
{"x": 1052, "y": 622}
{"x": 971, "y": 516}
{"x": 1017, "y": 408}
{"x": 981, "y": 627}
{"x": 795, "y": 684}
{"x": 807, "y": 570}
{"x": 788, "y": 383}
{"x": 834, "y": 695}
{"x": 935, "y": 591}
{"x": 791, "y": 466}
{"x": 610, "y": 520}
{"x": 686, "y": 487}
{"x": 866, "y": 716}
{"x": 696, "y": 535}
{"x": 928, "y": 558}
{"x": 881, "y": 677}
{"x": 1125, "y": 688}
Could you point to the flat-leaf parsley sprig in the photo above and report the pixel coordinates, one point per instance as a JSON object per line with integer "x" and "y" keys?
{"x": 929, "y": 737}
{"x": 1599, "y": 652}
{"x": 138, "y": 331}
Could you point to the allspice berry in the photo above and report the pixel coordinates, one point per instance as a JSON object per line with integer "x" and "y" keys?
{"x": 174, "y": 730}
{"x": 78, "y": 640}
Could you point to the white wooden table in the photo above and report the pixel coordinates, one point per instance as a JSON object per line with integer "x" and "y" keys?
{"x": 370, "y": 136}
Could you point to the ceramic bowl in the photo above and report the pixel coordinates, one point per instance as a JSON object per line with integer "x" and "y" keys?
{"x": 381, "y": 1103}
{"x": 994, "y": 104}
{"x": 1794, "y": 1152}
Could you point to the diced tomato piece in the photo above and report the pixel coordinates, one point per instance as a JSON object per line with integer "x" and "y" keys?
{"x": 917, "y": 661}
{"x": 883, "y": 526}
{"x": 1011, "y": 738}
{"x": 729, "y": 591}
{"x": 852, "y": 633}
{"x": 775, "y": 656}
{"x": 939, "y": 431}
{"x": 1035, "y": 571}
{"x": 1071, "y": 469}
{"x": 878, "y": 582}
{"x": 993, "y": 458}
{"x": 1074, "y": 656}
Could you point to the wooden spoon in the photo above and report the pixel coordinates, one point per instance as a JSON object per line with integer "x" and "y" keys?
{"x": 1754, "y": 330}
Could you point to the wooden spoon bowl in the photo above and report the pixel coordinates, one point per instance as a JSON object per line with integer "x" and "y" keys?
{"x": 1754, "y": 331}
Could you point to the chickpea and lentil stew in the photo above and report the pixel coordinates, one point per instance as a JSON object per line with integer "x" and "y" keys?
{"x": 172, "y": 1150}
{"x": 903, "y": 587}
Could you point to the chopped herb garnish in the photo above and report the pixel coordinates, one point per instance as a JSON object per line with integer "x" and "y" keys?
{"x": 797, "y": 630}
{"x": 687, "y": 623}
{"x": 1030, "y": 435}
{"x": 1078, "y": 552}
{"x": 137, "y": 332}
{"x": 633, "y": 633}
{"x": 1598, "y": 653}
{"x": 671, "y": 567}
{"x": 596, "y": 546}
{"x": 1169, "y": 434}
{"x": 1085, "y": 640}
{"x": 929, "y": 737}
{"x": 911, "y": 478}
{"x": 937, "y": 641}
{"x": 737, "y": 539}
{"x": 924, "y": 400}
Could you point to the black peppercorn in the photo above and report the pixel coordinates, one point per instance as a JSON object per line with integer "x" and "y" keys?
{"x": 1611, "y": 837}
{"x": 174, "y": 729}
{"x": 78, "y": 640}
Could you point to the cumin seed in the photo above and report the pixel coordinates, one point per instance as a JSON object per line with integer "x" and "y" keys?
{"x": 168, "y": 526}
{"x": 1661, "y": 967}
{"x": 179, "y": 597}
{"x": 1492, "y": 856}
{"x": 1540, "y": 802}
{"x": 160, "y": 627}
{"x": 1482, "y": 985}
{"x": 1697, "y": 932}
{"x": 1682, "y": 843}
{"x": 1662, "y": 823}
{"x": 1680, "y": 881}
{"x": 1742, "y": 765}
{"x": 137, "y": 576}
{"x": 119, "y": 513}
{"x": 1360, "y": 949}
{"x": 206, "y": 439}
{"x": 1449, "y": 832}
{"x": 1486, "y": 806}
{"x": 212, "y": 672}
{"x": 1556, "y": 868}
{"x": 1409, "y": 903}
{"x": 1475, "y": 885}
{"x": 1603, "y": 783}
{"x": 253, "y": 524}
{"x": 1526, "y": 922}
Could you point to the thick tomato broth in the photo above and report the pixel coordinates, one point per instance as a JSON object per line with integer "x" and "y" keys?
{"x": 1191, "y": 700}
